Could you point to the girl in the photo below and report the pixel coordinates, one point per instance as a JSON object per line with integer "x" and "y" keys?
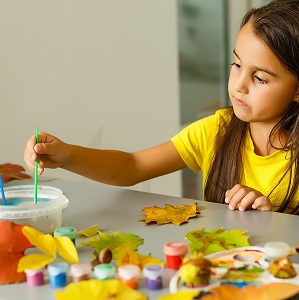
{"x": 248, "y": 153}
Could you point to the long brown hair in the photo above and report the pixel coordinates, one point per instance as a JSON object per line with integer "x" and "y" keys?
{"x": 277, "y": 24}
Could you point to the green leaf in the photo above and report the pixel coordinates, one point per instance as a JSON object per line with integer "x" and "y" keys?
{"x": 113, "y": 240}
{"x": 215, "y": 240}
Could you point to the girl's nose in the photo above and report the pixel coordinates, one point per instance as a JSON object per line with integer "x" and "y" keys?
{"x": 241, "y": 84}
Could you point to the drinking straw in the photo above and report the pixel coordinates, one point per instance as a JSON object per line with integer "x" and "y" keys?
{"x": 36, "y": 170}
{"x": 2, "y": 191}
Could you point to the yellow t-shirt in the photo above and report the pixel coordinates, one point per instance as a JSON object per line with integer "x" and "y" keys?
{"x": 195, "y": 145}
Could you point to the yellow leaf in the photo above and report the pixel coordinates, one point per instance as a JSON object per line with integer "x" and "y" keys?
{"x": 91, "y": 231}
{"x": 182, "y": 295}
{"x": 45, "y": 242}
{"x": 66, "y": 249}
{"x": 34, "y": 262}
{"x": 95, "y": 289}
{"x": 170, "y": 214}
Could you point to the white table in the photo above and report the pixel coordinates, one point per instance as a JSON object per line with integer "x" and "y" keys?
{"x": 118, "y": 209}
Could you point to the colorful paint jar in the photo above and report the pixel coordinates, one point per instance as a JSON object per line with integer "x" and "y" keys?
{"x": 80, "y": 272}
{"x": 35, "y": 277}
{"x": 129, "y": 275}
{"x": 66, "y": 231}
{"x": 175, "y": 252}
{"x": 57, "y": 273}
{"x": 104, "y": 271}
{"x": 153, "y": 277}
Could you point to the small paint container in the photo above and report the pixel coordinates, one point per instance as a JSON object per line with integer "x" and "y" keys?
{"x": 35, "y": 277}
{"x": 57, "y": 273}
{"x": 153, "y": 277}
{"x": 129, "y": 275}
{"x": 66, "y": 231}
{"x": 80, "y": 272}
{"x": 276, "y": 249}
{"x": 104, "y": 271}
{"x": 175, "y": 252}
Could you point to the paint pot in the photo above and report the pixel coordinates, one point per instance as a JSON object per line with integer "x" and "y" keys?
{"x": 57, "y": 273}
{"x": 153, "y": 277}
{"x": 80, "y": 272}
{"x": 35, "y": 277}
{"x": 104, "y": 271}
{"x": 276, "y": 250}
{"x": 175, "y": 252}
{"x": 129, "y": 275}
{"x": 66, "y": 231}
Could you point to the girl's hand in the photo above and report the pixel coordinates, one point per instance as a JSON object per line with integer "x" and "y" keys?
{"x": 243, "y": 197}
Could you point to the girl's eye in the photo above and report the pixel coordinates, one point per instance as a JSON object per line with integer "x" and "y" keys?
{"x": 236, "y": 65}
{"x": 260, "y": 80}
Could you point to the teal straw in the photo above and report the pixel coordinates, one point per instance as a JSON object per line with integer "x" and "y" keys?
{"x": 36, "y": 170}
{"x": 2, "y": 191}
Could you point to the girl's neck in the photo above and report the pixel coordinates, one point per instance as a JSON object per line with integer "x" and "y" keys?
{"x": 260, "y": 137}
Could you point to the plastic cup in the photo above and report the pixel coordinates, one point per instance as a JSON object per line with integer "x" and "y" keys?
{"x": 35, "y": 277}
{"x": 57, "y": 273}
{"x": 104, "y": 271}
{"x": 129, "y": 275}
{"x": 66, "y": 231}
{"x": 153, "y": 277}
{"x": 45, "y": 215}
{"x": 80, "y": 272}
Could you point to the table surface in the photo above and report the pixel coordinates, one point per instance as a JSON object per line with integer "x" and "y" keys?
{"x": 119, "y": 209}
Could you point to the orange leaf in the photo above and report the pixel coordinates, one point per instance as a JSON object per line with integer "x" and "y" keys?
{"x": 177, "y": 214}
{"x": 12, "y": 247}
{"x": 12, "y": 171}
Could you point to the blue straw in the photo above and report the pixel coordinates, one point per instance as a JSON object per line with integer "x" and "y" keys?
{"x": 36, "y": 170}
{"x": 2, "y": 191}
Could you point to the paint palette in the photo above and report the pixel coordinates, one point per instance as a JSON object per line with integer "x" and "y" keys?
{"x": 238, "y": 266}
{"x": 45, "y": 215}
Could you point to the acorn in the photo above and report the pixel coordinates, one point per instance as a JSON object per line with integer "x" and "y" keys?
{"x": 282, "y": 268}
{"x": 104, "y": 257}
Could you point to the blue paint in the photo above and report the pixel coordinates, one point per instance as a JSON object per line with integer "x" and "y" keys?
{"x": 18, "y": 201}
{"x": 58, "y": 280}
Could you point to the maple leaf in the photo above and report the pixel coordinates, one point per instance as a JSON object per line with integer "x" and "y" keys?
{"x": 216, "y": 240}
{"x": 177, "y": 214}
{"x": 12, "y": 171}
{"x": 13, "y": 244}
{"x": 113, "y": 240}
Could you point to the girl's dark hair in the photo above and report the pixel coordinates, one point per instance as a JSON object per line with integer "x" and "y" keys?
{"x": 277, "y": 24}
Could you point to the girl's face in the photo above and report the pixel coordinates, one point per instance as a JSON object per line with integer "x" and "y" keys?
{"x": 260, "y": 87}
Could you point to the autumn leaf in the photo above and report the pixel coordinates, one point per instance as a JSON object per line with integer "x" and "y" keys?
{"x": 89, "y": 232}
{"x": 95, "y": 289}
{"x": 216, "y": 240}
{"x": 181, "y": 295}
{"x": 113, "y": 240}
{"x": 13, "y": 244}
{"x": 12, "y": 171}
{"x": 124, "y": 256}
{"x": 177, "y": 214}
{"x": 270, "y": 291}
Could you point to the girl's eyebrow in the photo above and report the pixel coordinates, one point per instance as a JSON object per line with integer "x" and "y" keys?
{"x": 257, "y": 68}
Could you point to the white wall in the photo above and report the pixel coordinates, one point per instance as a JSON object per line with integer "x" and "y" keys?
{"x": 96, "y": 73}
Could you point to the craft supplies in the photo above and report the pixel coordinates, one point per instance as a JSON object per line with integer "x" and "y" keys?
{"x": 44, "y": 216}
{"x": 35, "y": 277}
{"x": 104, "y": 271}
{"x": 80, "y": 272}
{"x": 2, "y": 191}
{"x": 35, "y": 171}
{"x": 175, "y": 252}
{"x": 276, "y": 249}
{"x": 129, "y": 275}
{"x": 57, "y": 273}
{"x": 153, "y": 277}
{"x": 66, "y": 231}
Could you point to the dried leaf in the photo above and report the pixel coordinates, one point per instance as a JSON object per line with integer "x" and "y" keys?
{"x": 12, "y": 247}
{"x": 216, "y": 240}
{"x": 271, "y": 291}
{"x": 89, "y": 232}
{"x": 95, "y": 289}
{"x": 177, "y": 214}
{"x": 11, "y": 171}
{"x": 34, "y": 261}
{"x": 181, "y": 295}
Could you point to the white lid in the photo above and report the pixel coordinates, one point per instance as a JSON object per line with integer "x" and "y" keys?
{"x": 58, "y": 268}
{"x": 276, "y": 249}
{"x": 152, "y": 271}
{"x": 128, "y": 272}
{"x": 49, "y": 200}
{"x": 80, "y": 269}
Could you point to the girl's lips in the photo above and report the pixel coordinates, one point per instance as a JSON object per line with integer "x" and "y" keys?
{"x": 239, "y": 102}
